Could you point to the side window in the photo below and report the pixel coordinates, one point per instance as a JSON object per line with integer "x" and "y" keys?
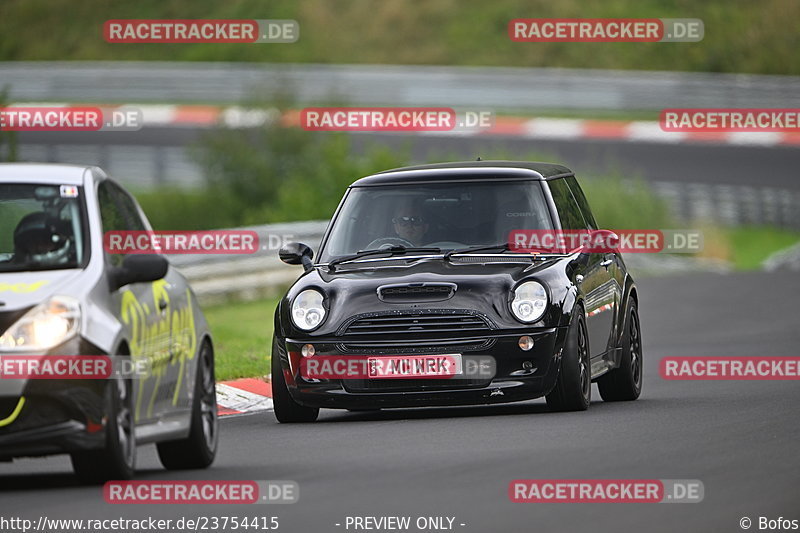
{"x": 568, "y": 210}
{"x": 112, "y": 217}
{"x": 128, "y": 207}
{"x": 577, "y": 193}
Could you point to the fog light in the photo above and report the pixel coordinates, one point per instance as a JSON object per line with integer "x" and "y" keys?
{"x": 308, "y": 350}
{"x": 525, "y": 343}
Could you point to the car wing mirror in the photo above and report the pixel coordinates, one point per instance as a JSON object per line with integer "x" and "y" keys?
{"x": 603, "y": 241}
{"x": 297, "y": 253}
{"x": 139, "y": 268}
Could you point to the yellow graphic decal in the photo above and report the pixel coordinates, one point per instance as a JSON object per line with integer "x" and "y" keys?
{"x": 22, "y": 287}
{"x": 164, "y": 341}
{"x": 13, "y": 416}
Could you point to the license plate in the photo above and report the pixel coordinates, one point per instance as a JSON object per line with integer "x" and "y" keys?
{"x": 415, "y": 366}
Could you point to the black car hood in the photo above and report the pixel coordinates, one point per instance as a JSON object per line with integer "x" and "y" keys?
{"x": 482, "y": 287}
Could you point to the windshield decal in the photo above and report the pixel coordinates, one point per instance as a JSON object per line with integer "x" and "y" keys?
{"x": 69, "y": 191}
{"x": 21, "y": 288}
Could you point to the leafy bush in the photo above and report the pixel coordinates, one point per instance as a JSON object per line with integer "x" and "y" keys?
{"x": 8, "y": 139}
{"x": 280, "y": 174}
{"x": 271, "y": 174}
{"x": 626, "y": 204}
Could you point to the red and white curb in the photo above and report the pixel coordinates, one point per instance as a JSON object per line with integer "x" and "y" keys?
{"x": 243, "y": 396}
{"x": 204, "y": 116}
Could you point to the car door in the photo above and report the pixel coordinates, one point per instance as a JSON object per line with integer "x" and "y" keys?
{"x": 598, "y": 284}
{"x": 173, "y": 327}
{"x": 174, "y": 301}
{"x": 615, "y": 268}
{"x": 132, "y": 305}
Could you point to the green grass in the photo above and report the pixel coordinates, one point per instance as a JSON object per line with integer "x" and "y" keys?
{"x": 740, "y": 36}
{"x": 242, "y": 333}
{"x": 750, "y": 246}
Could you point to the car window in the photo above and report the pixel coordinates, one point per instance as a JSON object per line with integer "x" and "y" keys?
{"x": 113, "y": 215}
{"x": 445, "y": 215}
{"x": 577, "y": 193}
{"x": 128, "y": 208}
{"x": 42, "y": 227}
{"x": 568, "y": 210}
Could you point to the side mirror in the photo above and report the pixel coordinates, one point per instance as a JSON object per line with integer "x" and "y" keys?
{"x": 297, "y": 253}
{"x": 604, "y": 241}
{"x": 139, "y": 268}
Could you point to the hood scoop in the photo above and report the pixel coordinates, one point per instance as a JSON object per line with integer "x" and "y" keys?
{"x": 416, "y": 292}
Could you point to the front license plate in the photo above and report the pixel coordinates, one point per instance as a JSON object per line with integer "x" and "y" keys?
{"x": 415, "y": 366}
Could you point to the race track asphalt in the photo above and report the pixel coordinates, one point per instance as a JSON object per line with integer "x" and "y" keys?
{"x": 708, "y": 163}
{"x": 739, "y": 438}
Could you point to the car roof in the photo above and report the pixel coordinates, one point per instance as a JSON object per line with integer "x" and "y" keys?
{"x": 466, "y": 171}
{"x": 49, "y": 173}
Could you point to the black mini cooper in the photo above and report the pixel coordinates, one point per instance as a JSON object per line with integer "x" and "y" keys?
{"x": 417, "y": 298}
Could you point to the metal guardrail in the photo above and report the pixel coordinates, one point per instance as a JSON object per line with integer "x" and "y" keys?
{"x": 495, "y": 88}
{"x": 218, "y": 278}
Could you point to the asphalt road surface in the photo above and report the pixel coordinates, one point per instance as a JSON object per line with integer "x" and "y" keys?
{"x": 759, "y": 166}
{"x": 739, "y": 438}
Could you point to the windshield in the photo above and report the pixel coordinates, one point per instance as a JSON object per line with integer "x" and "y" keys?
{"x": 447, "y": 216}
{"x": 41, "y": 227}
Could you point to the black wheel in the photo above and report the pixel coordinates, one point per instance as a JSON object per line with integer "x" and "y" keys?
{"x": 573, "y": 390}
{"x": 117, "y": 460}
{"x": 286, "y": 409}
{"x": 199, "y": 449}
{"x": 625, "y": 383}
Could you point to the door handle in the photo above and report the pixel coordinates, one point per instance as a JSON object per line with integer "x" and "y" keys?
{"x": 162, "y": 304}
{"x": 606, "y": 263}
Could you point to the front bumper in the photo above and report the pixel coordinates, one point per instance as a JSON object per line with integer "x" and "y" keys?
{"x": 512, "y": 381}
{"x": 52, "y": 416}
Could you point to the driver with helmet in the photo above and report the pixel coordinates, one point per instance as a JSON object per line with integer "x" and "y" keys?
{"x": 40, "y": 239}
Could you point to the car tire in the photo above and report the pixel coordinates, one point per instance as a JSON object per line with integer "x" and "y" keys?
{"x": 199, "y": 449}
{"x": 573, "y": 390}
{"x": 287, "y": 411}
{"x": 625, "y": 382}
{"x": 117, "y": 459}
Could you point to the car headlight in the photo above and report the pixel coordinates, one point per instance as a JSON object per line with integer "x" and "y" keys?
{"x": 530, "y": 301}
{"x": 307, "y": 310}
{"x": 45, "y": 326}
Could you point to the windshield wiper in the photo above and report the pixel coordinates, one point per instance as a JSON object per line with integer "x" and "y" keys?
{"x": 392, "y": 250}
{"x": 483, "y": 248}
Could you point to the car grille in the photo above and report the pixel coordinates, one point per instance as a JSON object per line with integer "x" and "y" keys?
{"x": 411, "y": 385}
{"x": 423, "y": 292}
{"x": 417, "y": 332}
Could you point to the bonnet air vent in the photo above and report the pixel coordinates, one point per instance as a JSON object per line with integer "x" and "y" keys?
{"x": 416, "y": 292}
